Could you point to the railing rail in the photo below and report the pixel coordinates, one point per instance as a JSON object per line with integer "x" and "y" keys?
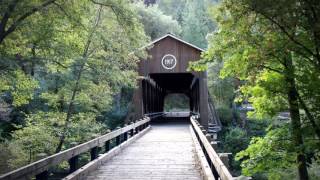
{"x": 40, "y": 168}
{"x": 218, "y": 169}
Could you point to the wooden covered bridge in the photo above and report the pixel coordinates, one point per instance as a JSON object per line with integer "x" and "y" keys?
{"x": 182, "y": 148}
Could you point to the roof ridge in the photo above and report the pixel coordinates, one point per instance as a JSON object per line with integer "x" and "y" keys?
{"x": 174, "y": 37}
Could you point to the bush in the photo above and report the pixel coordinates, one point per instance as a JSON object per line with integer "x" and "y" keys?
{"x": 225, "y": 114}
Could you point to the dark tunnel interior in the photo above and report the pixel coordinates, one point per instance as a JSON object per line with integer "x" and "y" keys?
{"x": 158, "y": 85}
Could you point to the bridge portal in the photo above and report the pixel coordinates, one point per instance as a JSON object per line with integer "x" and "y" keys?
{"x": 164, "y": 72}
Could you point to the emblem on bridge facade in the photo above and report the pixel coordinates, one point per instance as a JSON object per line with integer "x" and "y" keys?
{"x": 169, "y": 61}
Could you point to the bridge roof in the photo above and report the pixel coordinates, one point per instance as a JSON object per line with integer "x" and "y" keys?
{"x": 176, "y": 38}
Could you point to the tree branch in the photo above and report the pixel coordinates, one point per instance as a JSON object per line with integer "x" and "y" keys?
{"x": 22, "y": 18}
{"x": 283, "y": 29}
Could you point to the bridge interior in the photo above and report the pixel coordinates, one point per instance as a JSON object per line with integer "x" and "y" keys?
{"x": 158, "y": 85}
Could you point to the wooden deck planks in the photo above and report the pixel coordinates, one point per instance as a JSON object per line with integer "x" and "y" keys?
{"x": 166, "y": 152}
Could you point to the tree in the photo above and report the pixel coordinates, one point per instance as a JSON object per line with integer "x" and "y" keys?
{"x": 174, "y": 8}
{"x": 15, "y": 13}
{"x": 255, "y": 48}
{"x": 196, "y": 23}
{"x": 156, "y": 24}
{"x": 66, "y": 69}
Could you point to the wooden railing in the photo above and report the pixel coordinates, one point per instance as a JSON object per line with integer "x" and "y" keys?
{"x": 217, "y": 167}
{"x": 39, "y": 169}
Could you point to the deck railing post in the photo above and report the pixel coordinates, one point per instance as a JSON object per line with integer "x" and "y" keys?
{"x": 132, "y": 132}
{"x": 73, "y": 164}
{"x": 136, "y": 130}
{"x": 125, "y": 136}
{"x": 225, "y": 158}
{"x": 94, "y": 153}
{"x": 214, "y": 144}
{"x": 209, "y": 137}
{"x": 107, "y": 146}
{"x": 118, "y": 140}
{"x": 43, "y": 176}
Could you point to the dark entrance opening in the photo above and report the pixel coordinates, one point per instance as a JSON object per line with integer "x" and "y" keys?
{"x": 159, "y": 87}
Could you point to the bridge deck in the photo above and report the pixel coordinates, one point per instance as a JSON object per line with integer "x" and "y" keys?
{"x": 165, "y": 152}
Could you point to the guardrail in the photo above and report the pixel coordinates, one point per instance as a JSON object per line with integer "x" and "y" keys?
{"x": 177, "y": 114}
{"x": 154, "y": 115}
{"x": 217, "y": 167}
{"x": 39, "y": 169}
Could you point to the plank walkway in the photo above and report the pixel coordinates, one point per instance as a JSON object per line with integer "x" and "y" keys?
{"x": 166, "y": 152}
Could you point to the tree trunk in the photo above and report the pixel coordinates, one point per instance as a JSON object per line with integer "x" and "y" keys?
{"x": 76, "y": 87}
{"x": 310, "y": 116}
{"x": 295, "y": 120}
{"x": 118, "y": 102}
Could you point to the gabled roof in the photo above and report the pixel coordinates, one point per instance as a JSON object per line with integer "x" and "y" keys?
{"x": 176, "y": 38}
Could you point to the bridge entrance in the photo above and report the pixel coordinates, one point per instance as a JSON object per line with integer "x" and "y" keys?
{"x": 165, "y": 72}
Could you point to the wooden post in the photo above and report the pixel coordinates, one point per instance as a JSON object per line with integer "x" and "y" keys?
{"x": 118, "y": 140}
{"x": 73, "y": 164}
{"x": 132, "y": 132}
{"x": 225, "y": 158}
{"x": 94, "y": 153}
{"x": 125, "y": 136}
{"x": 204, "y": 131}
{"x": 214, "y": 135}
{"x": 209, "y": 137}
{"x": 42, "y": 176}
{"x": 214, "y": 144}
{"x": 107, "y": 146}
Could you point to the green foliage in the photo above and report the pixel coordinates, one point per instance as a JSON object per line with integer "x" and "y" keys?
{"x": 222, "y": 90}
{"x": 193, "y": 18}
{"x": 270, "y": 154}
{"x": 70, "y": 57}
{"x": 156, "y": 24}
{"x": 196, "y": 22}
{"x": 225, "y": 115}
{"x": 41, "y": 135}
{"x": 235, "y": 140}
{"x": 174, "y": 8}
{"x": 257, "y": 46}
{"x": 176, "y": 102}
{"x": 19, "y": 87}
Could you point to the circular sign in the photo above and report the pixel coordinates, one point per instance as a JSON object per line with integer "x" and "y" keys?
{"x": 169, "y": 61}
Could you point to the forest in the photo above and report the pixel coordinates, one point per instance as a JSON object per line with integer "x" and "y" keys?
{"x": 68, "y": 69}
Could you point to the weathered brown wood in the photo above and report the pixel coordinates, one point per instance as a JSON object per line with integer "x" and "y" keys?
{"x": 149, "y": 97}
{"x": 165, "y": 152}
{"x": 221, "y": 169}
{"x": 94, "y": 153}
{"x": 42, "y": 176}
{"x": 93, "y": 165}
{"x": 73, "y": 164}
{"x": 27, "y": 172}
{"x": 107, "y": 146}
{"x": 205, "y": 167}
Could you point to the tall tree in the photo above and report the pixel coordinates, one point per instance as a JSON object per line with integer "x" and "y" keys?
{"x": 272, "y": 51}
{"x": 196, "y": 23}
{"x": 66, "y": 69}
{"x": 156, "y": 23}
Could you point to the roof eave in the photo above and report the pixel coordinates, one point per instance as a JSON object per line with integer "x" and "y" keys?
{"x": 174, "y": 37}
